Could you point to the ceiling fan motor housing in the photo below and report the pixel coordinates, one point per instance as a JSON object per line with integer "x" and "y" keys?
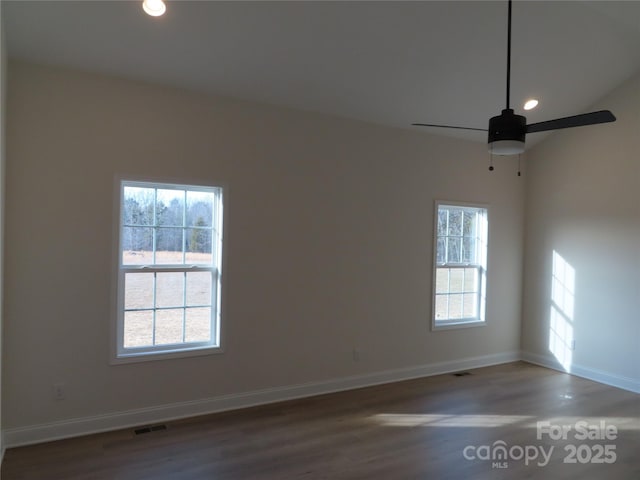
{"x": 507, "y": 133}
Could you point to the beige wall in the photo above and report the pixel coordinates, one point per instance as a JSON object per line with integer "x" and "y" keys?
{"x": 583, "y": 201}
{"x": 328, "y": 242}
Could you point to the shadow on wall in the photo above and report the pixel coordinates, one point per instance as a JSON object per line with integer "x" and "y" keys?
{"x": 561, "y": 315}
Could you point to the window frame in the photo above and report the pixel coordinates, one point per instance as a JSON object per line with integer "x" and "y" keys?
{"x": 481, "y": 265}
{"x": 120, "y": 353}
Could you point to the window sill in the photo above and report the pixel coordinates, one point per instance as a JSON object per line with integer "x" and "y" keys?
{"x": 168, "y": 354}
{"x": 451, "y": 325}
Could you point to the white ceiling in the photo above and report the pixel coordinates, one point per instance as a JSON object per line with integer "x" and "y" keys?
{"x": 391, "y": 63}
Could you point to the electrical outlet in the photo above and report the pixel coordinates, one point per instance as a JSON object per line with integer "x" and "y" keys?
{"x": 58, "y": 390}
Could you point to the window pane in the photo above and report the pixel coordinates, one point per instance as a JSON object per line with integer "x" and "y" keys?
{"x": 469, "y": 250}
{"x": 442, "y": 280}
{"x": 170, "y": 289}
{"x": 198, "y": 325}
{"x": 469, "y": 226}
{"x": 455, "y": 222}
{"x": 198, "y": 288}
{"x": 454, "y": 253}
{"x": 456, "y": 279}
{"x": 168, "y": 258}
{"x": 138, "y": 329}
{"x": 198, "y": 246}
{"x": 442, "y": 222}
{"x": 200, "y": 209}
{"x": 169, "y": 245}
{"x": 138, "y": 206}
{"x": 169, "y": 326}
{"x": 471, "y": 280}
{"x": 137, "y": 245}
{"x": 455, "y": 307}
{"x": 441, "y": 251}
{"x": 470, "y": 305}
{"x": 170, "y": 208}
{"x": 442, "y": 307}
{"x": 138, "y": 290}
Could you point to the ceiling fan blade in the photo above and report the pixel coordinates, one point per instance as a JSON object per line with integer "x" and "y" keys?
{"x": 447, "y": 126}
{"x": 602, "y": 116}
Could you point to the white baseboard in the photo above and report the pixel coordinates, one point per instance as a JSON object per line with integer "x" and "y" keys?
{"x": 596, "y": 375}
{"x": 15, "y": 437}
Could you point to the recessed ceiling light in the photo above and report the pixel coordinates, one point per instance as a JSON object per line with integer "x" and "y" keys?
{"x": 529, "y": 104}
{"x": 155, "y": 8}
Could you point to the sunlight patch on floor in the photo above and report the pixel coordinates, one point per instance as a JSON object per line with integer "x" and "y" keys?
{"x": 493, "y": 421}
{"x": 447, "y": 420}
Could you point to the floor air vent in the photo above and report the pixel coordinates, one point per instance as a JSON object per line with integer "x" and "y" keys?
{"x": 461, "y": 374}
{"x": 153, "y": 428}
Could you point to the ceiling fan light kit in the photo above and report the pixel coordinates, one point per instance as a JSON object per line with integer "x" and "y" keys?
{"x": 507, "y": 131}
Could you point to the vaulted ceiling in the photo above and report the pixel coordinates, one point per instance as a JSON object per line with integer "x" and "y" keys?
{"x": 391, "y": 63}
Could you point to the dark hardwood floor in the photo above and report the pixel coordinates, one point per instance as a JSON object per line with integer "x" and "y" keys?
{"x": 417, "y": 429}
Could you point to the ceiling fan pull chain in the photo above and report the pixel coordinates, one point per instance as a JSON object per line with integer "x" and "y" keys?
{"x": 491, "y": 162}
{"x": 519, "y": 157}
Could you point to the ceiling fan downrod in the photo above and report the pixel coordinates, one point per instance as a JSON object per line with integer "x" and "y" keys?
{"x": 509, "y": 57}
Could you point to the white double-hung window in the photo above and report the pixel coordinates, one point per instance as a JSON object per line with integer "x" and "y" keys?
{"x": 460, "y": 265}
{"x": 169, "y": 270}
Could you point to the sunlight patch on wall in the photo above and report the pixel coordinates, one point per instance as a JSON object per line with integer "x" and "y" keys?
{"x": 561, "y": 338}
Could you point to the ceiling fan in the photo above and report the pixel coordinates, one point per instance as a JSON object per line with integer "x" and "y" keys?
{"x": 507, "y": 131}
